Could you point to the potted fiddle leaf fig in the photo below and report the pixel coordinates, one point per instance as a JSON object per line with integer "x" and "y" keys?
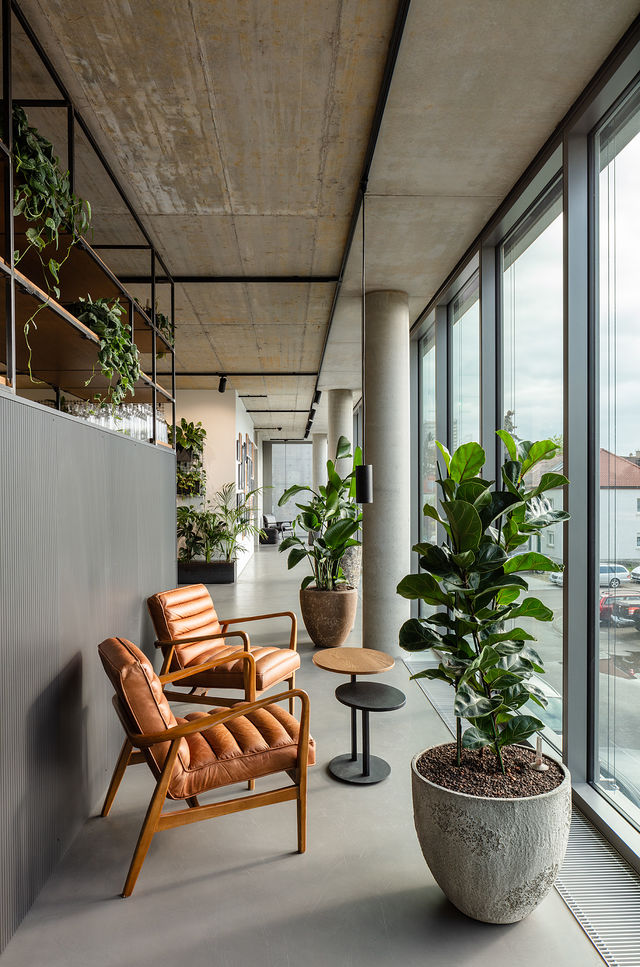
{"x": 492, "y": 817}
{"x": 329, "y": 522}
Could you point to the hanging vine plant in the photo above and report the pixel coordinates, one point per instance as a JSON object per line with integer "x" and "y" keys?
{"x": 43, "y": 196}
{"x": 117, "y": 354}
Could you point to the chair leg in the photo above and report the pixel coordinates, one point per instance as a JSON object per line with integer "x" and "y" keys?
{"x": 291, "y": 682}
{"x": 301, "y": 805}
{"x": 251, "y": 784}
{"x": 150, "y": 823}
{"x": 116, "y": 778}
{"x": 192, "y": 802}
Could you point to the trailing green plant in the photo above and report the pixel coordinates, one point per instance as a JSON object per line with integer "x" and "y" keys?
{"x": 475, "y": 579}
{"x": 117, "y": 354}
{"x": 236, "y": 517}
{"x": 200, "y": 531}
{"x": 329, "y": 521}
{"x": 43, "y": 196}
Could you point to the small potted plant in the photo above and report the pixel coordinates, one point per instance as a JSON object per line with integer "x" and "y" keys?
{"x": 329, "y": 522}
{"x": 492, "y": 817}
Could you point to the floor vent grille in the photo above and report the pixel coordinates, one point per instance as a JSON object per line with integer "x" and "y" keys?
{"x": 599, "y": 887}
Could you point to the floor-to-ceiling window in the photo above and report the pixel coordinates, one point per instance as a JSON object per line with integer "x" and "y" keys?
{"x": 291, "y": 464}
{"x": 617, "y": 233}
{"x": 531, "y": 300}
{"x": 464, "y": 321}
{"x": 428, "y": 449}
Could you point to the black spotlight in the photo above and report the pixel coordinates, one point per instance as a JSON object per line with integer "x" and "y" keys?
{"x": 364, "y": 484}
{"x": 316, "y": 398}
{"x": 222, "y": 385}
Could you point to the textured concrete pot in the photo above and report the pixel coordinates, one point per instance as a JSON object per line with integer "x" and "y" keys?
{"x": 351, "y": 565}
{"x": 495, "y": 859}
{"x": 328, "y": 615}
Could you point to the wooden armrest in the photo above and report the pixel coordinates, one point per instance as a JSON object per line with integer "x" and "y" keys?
{"x": 205, "y": 666}
{"x": 172, "y": 642}
{"x": 225, "y": 715}
{"x": 293, "y": 639}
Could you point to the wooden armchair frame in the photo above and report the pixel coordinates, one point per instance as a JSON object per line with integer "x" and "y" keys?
{"x": 168, "y": 649}
{"x": 155, "y": 820}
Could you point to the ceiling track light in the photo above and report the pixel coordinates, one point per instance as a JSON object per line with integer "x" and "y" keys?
{"x": 222, "y": 385}
{"x": 316, "y": 397}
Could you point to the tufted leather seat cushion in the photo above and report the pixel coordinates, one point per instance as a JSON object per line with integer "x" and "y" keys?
{"x": 248, "y": 747}
{"x": 251, "y": 746}
{"x": 188, "y": 611}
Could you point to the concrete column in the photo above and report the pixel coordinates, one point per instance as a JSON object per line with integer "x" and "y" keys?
{"x": 268, "y": 499}
{"x": 319, "y": 454}
{"x": 340, "y": 403}
{"x": 386, "y": 551}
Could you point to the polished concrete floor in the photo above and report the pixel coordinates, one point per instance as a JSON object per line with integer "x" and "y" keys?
{"x": 232, "y": 892}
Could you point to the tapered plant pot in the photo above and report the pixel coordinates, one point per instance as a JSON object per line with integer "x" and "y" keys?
{"x": 328, "y": 615}
{"x": 495, "y": 859}
{"x": 351, "y": 564}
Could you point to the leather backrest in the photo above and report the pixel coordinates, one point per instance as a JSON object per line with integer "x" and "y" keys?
{"x": 139, "y": 691}
{"x": 183, "y": 613}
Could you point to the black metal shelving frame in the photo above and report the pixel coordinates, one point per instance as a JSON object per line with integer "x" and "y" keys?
{"x": 13, "y": 278}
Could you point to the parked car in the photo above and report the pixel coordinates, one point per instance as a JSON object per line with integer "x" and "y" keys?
{"x": 635, "y": 575}
{"x": 556, "y": 577}
{"x": 620, "y": 607}
{"x": 612, "y": 575}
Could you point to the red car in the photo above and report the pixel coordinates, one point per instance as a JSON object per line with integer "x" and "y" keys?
{"x": 621, "y": 604}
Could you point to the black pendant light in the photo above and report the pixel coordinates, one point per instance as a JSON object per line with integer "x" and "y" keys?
{"x": 364, "y": 473}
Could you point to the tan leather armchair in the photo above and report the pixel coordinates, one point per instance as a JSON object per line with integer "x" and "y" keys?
{"x": 192, "y": 755}
{"x": 190, "y": 633}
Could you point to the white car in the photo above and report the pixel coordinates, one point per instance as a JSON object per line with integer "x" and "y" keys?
{"x": 611, "y": 576}
{"x": 635, "y": 575}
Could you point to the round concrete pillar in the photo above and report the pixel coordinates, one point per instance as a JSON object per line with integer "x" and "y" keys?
{"x": 319, "y": 455}
{"x": 386, "y": 551}
{"x": 340, "y": 403}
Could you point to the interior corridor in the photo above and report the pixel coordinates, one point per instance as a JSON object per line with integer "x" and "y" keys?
{"x": 232, "y": 892}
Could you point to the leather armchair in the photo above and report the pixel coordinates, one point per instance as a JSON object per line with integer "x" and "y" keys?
{"x": 190, "y": 633}
{"x": 192, "y": 755}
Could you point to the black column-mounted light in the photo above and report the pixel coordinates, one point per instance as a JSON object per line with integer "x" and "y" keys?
{"x": 364, "y": 484}
{"x": 222, "y": 385}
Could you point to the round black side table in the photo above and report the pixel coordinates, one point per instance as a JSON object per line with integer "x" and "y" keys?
{"x": 365, "y": 769}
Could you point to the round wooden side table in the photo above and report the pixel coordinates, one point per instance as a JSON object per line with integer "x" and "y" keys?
{"x": 354, "y": 767}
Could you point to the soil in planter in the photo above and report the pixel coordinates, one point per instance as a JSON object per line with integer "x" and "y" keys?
{"x": 479, "y": 774}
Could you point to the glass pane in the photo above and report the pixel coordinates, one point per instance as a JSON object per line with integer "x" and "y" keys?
{"x": 617, "y": 770}
{"x": 428, "y": 433}
{"x": 532, "y": 397}
{"x": 464, "y": 319}
{"x": 291, "y": 463}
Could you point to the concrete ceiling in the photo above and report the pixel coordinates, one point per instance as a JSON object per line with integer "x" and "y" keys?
{"x": 239, "y": 130}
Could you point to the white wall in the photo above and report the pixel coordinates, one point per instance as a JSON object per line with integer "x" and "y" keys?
{"x": 223, "y": 416}
{"x": 619, "y": 524}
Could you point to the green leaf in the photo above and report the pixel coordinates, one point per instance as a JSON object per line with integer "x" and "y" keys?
{"x": 309, "y": 579}
{"x": 507, "y": 595}
{"x": 423, "y": 587}
{"x": 531, "y": 561}
{"x": 436, "y": 560}
{"x": 296, "y": 555}
{"x": 288, "y": 494}
{"x": 489, "y": 557}
{"x": 446, "y": 456}
{"x": 515, "y": 635}
{"x": 288, "y": 542}
{"x": 509, "y": 443}
{"x": 339, "y": 532}
{"x": 343, "y": 448}
{"x": 467, "y": 460}
{"x": 549, "y": 481}
{"x": 464, "y": 560}
{"x": 469, "y": 705}
{"x": 434, "y": 674}
{"x": 535, "y": 452}
{"x": 501, "y": 502}
{"x": 465, "y": 523}
{"x": 519, "y": 728}
{"x": 430, "y": 511}
{"x": 414, "y": 636}
{"x": 474, "y": 738}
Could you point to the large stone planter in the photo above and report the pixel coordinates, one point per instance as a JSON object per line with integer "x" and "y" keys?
{"x": 328, "y": 615}
{"x": 495, "y": 859}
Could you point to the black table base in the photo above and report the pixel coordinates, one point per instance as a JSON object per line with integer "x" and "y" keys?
{"x": 364, "y": 769}
{"x": 346, "y": 769}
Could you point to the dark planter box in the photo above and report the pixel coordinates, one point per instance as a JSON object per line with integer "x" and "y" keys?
{"x": 198, "y": 572}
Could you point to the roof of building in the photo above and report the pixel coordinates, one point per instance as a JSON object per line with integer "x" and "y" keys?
{"x": 616, "y": 471}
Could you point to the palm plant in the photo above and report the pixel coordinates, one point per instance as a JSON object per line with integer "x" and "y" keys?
{"x": 235, "y": 517}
